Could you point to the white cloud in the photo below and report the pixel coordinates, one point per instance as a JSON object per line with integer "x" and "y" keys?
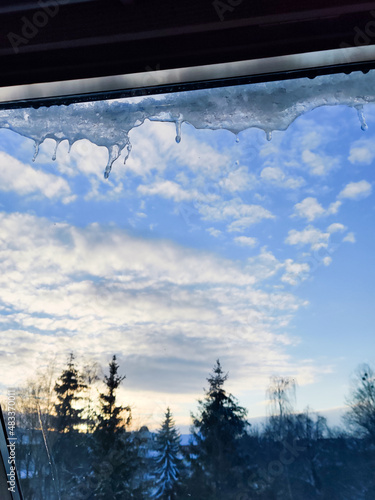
{"x": 276, "y": 176}
{"x": 318, "y": 164}
{"x": 309, "y": 208}
{"x": 214, "y": 232}
{"x": 308, "y": 236}
{"x": 246, "y": 241}
{"x": 350, "y": 238}
{"x": 238, "y": 180}
{"x": 65, "y": 287}
{"x": 362, "y": 151}
{"x": 242, "y": 214}
{"x": 169, "y": 190}
{"x": 336, "y": 227}
{"x": 295, "y": 272}
{"x": 272, "y": 174}
{"x": 327, "y": 260}
{"x": 26, "y": 181}
{"x": 356, "y": 190}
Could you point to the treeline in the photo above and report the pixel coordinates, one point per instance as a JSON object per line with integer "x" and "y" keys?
{"x": 74, "y": 444}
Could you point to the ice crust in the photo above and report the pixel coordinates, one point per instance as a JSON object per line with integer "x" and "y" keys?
{"x": 268, "y": 106}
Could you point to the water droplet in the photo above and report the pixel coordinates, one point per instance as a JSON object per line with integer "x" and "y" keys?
{"x": 269, "y": 136}
{"x": 178, "y": 131}
{"x": 36, "y": 150}
{"x": 236, "y": 162}
{"x": 237, "y": 139}
{"x": 362, "y": 119}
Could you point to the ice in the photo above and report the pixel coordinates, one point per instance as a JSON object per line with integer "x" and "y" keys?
{"x": 362, "y": 119}
{"x": 267, "y": 106}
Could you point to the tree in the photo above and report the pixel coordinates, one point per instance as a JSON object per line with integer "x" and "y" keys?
{"x": 70, "y": 467}
{"x": 167, "y": 460}
{"x": 111, "y": 421}
{"x": 281, "y": 394}
{"x": 217, "y": 432}
{"x": 90, "y": 378}
{"x": 361, "y": 415}
{"x": 115, "y": 460}
{"x": 34, "y": 420}
{"x": 68, "y": 389}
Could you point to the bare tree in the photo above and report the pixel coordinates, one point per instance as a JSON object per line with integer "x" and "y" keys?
{"x": 361, "y": 414}
{"x": 281, "y": 394}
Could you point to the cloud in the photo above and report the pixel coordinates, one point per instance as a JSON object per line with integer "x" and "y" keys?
{"x": 336, "y": 227}
{"x": 327, "y": 260}
{"x": 295, "y": 272}
{"x": 311, "y": 209}
{"x": 241, "y": 214}
{"x": 214, "y": 232}
{"x": 246, "y": 241}
{"x": 356, "y": 190}
{"x": 27, "y": 181}
{"x": 308, "y": 236}
{"x": 238, "y": 180}
{"x": 169, "y": 190}
{"x": 89, "y": 289}
{"x": 362, "y": 151}
{"x": 350, "y": 238}
{"x": 318, "y": 164}
{"x": 276, "y": 176}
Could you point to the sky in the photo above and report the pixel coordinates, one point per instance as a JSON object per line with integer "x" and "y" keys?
{"x": 258, "y": 253}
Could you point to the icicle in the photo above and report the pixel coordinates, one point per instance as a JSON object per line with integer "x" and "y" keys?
{"x": 113, "y": 153}
{"x": 36, "y": 150}
{"x": 178, "y": 131}
{"x": 362, "y": 119}
{"x": 269, "y": 136}
{"x": 57, "y": 143}
{"x": 69, "y": 146}
{"x": 128, "y": 148}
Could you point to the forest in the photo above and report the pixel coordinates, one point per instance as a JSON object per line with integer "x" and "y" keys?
{"x": 74, "y": 444}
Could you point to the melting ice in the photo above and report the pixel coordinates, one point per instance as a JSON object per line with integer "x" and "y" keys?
{"x": 268, "y": 106}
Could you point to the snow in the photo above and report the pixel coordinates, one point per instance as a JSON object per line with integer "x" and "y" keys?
{"x": 268, "y": 106}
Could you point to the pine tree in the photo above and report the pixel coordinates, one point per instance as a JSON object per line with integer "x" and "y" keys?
{"x": 68, "y": 435}
{"x": 167, "y": 460}
{"x": 216, "y": 446}
{"x": 67, "y": 389}
{"x": 115, "y": 465}
{"x": 111, "y": 422}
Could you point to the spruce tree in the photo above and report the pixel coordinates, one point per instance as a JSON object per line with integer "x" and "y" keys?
{"x": 217, "y": 430}
{"x": 167, "y": 462}
{"x": 67, "y": 389}
{"x": 115, "y": 464}
{"x": 111, "y": 420}
{"x": 68, "y": 433}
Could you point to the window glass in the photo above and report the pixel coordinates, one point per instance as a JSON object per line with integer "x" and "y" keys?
{"x": 197, "y": 322}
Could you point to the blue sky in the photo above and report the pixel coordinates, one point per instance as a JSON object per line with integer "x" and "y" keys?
{"x": 256, "y": 252}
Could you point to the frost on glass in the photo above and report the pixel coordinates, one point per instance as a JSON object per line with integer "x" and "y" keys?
{"x": 268, "y": 106}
